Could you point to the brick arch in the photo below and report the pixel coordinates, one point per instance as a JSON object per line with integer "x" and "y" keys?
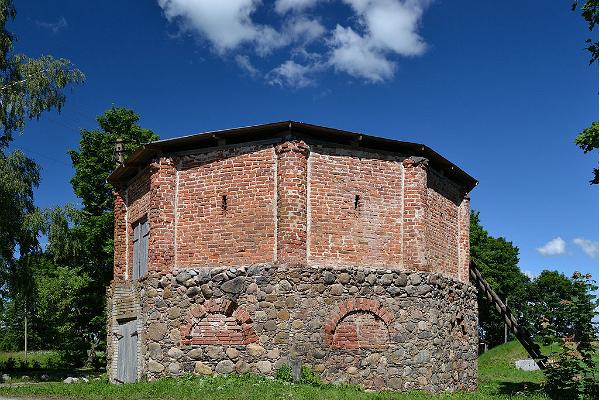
{"x": 358, "y": 323}
{"x": 218, "y": 322}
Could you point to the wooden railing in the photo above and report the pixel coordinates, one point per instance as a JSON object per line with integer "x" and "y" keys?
{"x": 522, "y": 335}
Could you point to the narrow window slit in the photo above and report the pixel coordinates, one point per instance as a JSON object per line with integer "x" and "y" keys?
{"x": 356, "y": 201}
{"x": 224, "y": 202}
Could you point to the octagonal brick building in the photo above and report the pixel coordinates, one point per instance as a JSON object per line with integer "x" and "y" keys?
{"x": 245, "y": 249}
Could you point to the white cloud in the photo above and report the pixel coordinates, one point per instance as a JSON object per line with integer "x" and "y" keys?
{"x": 292, "y": 74}
{"x": 555, "y": 247}
{"x": 392, "y": 25}
{"x": 54, "y": 27}
{"x": 226, "y": 24}
{"x": 244, "y": 63}
{"x": 283, "y": 6}
{"x": 304, "y": 30}
{"x": 588, "y": 246}
{"x": 356, "y": 56}
{"x": 366, "y": 46}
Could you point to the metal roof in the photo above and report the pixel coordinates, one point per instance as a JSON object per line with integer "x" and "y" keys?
{"x": 285, "y": 130}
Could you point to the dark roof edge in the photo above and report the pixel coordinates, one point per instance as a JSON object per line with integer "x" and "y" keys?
{"x": 141, "y": 157}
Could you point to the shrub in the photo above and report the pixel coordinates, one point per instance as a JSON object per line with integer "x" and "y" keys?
{"x": 571, "y": 371}
{"x": 284, "y": 373}
{"x": 22, "y": 365}
{"x": 307, "y": 376}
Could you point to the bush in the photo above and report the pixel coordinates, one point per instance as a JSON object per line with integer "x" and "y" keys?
{"x": 571, "y": 371}
{"x": 307, "y": 376}
{"x": 22, "y": 364}
{"x": 284, "y": 373}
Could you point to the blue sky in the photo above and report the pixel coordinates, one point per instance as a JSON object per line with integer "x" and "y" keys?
{"x": 500, "y": 88}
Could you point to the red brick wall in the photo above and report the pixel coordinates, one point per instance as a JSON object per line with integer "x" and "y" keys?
{"x": 218, "y": 322}
{"x": 292, "y": 170}
{"x": 120, "y": 210}
{"x": 464, "y": 216}
{"x": 414, "y": 217}
{"x": 161, "y": 215}
{"x": 243, "y": 232}
{"x": 443, "y": 201}
{"x": 345, "y": 230}
{"x": 359, "y": 323}
{"x": 288, "y": 204}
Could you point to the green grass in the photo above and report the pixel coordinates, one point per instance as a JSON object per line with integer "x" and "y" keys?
{"x": 42, "y": 356}
{"x": 498, "y": 379}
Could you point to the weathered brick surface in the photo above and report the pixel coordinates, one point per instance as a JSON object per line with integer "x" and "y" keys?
{"x": 120, "y": 232}
{"x": 414, "y": 222}
{"x": 442, "y": 224}
{"x": 218, "y": 322}
{"x": 295, "y": 204}
{"x": 238, "y": 229}
{"x": 292, "y": 172}
{"x": 355, "y": 209}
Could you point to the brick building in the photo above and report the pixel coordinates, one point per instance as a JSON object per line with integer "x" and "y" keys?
{"x": 244, "y": 249}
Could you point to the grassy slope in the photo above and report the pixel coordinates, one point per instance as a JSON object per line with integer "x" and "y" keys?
{"x": 498, "y": 378}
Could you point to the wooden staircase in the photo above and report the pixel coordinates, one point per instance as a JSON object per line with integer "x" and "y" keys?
{"x": 522, "y": 335}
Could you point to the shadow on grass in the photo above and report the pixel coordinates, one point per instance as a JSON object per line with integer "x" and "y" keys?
{"x": 522, "y": 388}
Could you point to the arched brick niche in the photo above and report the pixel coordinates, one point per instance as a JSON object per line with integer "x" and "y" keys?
{"x": 218, "y": 321}
{"x": 358, "y": 324}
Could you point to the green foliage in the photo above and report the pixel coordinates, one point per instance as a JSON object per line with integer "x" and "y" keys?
{"x": 58, "y": 311}
{"x": 589, "y": 12}
{"x": 545, "y": 310}
{"x": 307, "y": 376}
{"x": 80, "y": 241}
{"x": 95, "y": 159}
{"x": 572, "y": 371}
{"x": 284, "y": 373}
{"x": 18, "y": 176}
{"x": 28, "y": 86}
{"x": 587, "y": 141}
{"x": 497, "y": 259}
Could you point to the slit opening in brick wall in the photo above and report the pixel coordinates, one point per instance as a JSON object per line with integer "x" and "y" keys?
{"x": 356, "y": 201}
{"x": 224, "y": 202}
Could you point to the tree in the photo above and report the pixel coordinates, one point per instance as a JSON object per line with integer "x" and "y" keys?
{"x": 28, "y": 87}
{"x": 589, "y": 12}
{"x": 93, "y": 163}
{"x": 497, "y": 259}
{"x": 572, "y": 369}
{"x": 82, "y": 239}
{"x": 587, "y": 139}
{"x": 547, "y": 295}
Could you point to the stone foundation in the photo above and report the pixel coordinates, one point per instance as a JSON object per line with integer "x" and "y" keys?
{"x": 372, "y": 327}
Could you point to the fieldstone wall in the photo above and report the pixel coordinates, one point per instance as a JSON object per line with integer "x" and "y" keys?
{"x": 372, "y": 327}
